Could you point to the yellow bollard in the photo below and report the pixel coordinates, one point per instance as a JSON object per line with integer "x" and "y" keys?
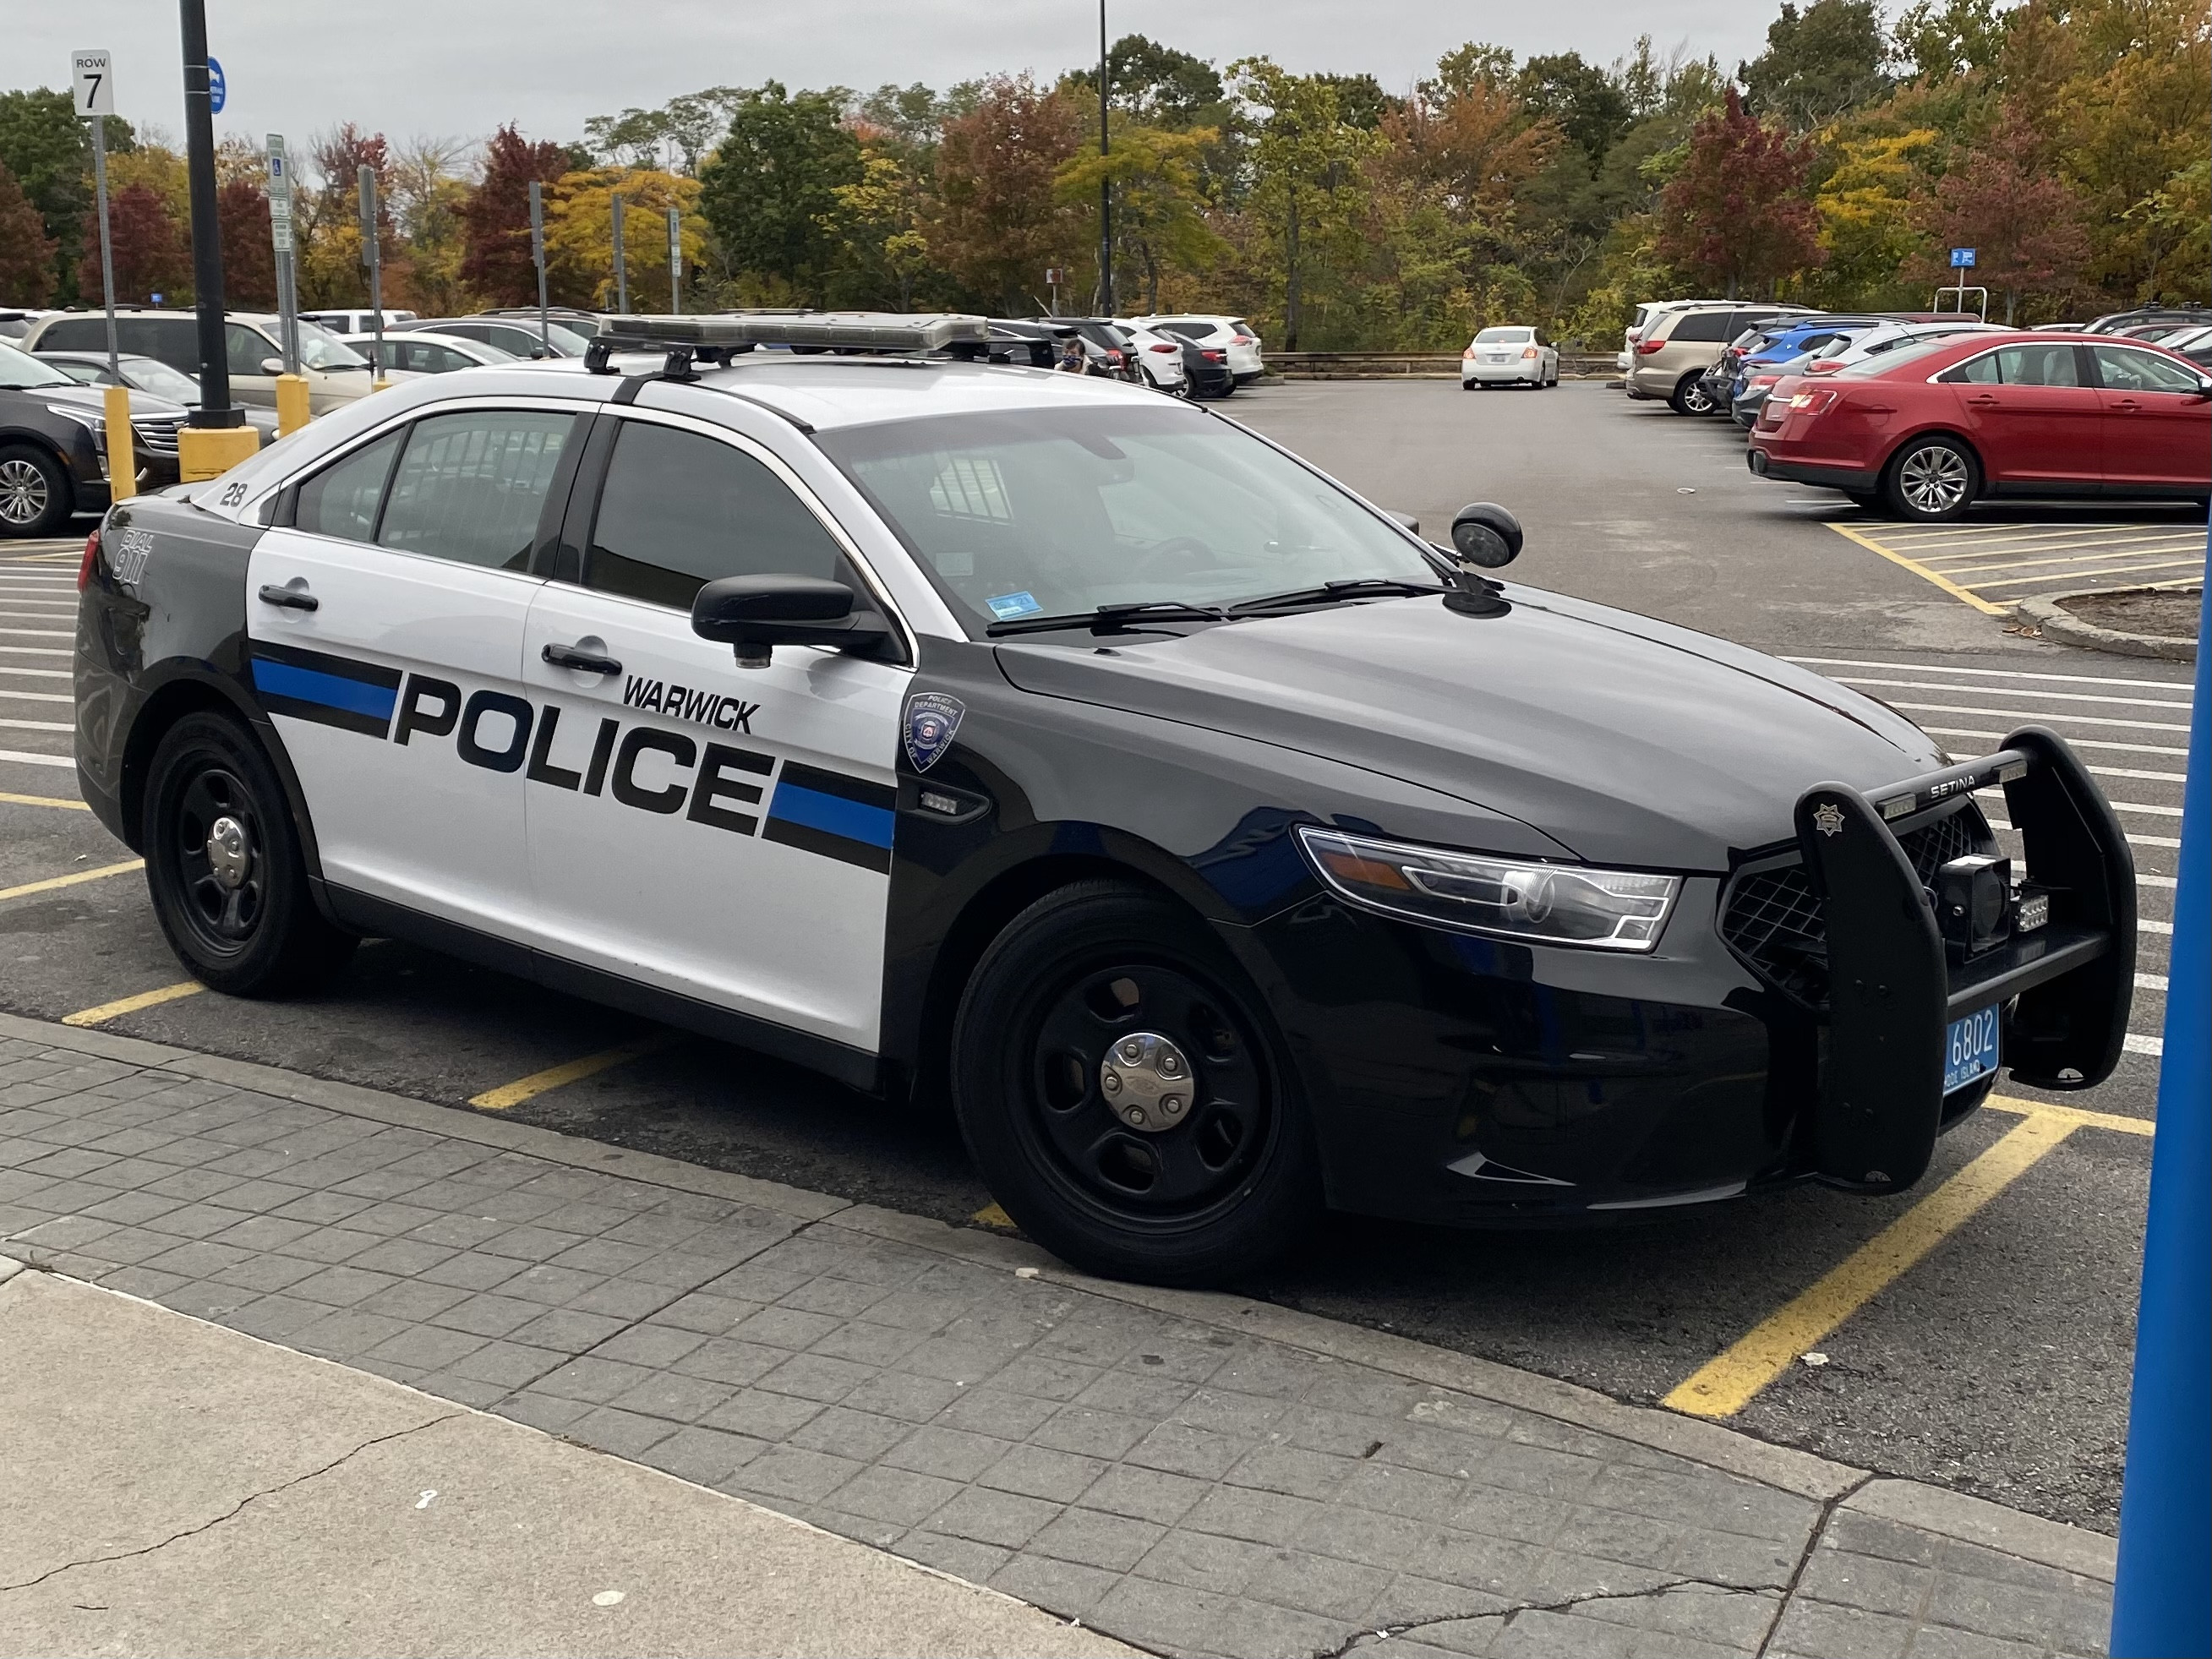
{"x": 292, "y": 410}
{"x": 122, "y": 446}
{"x": 208, "y": 451}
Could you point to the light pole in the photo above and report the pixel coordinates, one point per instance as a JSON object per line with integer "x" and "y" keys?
{"x": 1105, "y": 180}
{"x": 215, "y": 437}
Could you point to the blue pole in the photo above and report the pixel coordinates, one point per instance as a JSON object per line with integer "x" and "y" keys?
{"x": 2161, "y": 1606}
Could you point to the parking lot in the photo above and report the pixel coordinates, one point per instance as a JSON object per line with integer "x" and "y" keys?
{"x": 1975, "y": 1333}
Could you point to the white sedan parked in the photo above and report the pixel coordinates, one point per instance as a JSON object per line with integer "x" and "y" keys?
{"x": 420, "y": 351}
{"x": 1511, "y": 355}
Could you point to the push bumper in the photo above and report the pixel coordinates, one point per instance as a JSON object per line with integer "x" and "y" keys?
{"x": 1898, "y": 972}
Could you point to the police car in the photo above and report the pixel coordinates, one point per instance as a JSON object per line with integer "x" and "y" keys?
{"x": 1222, "y": 849}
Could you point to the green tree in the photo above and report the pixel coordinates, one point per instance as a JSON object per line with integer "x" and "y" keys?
{"x": 769, "y": 191}
{"x": 1736, "y": 213}
{"x": 1306, "y": 162}
{"x": 1155, "y": 85}
{"x": 1819, "y": 63}
{"x": 49, "y": 150}
{"x": 878, "y": 218}
{"x": 1585, "y": 102}
{"x": 27, "y": 253}
{"x": 1936, "y": 41}
{"x": 1159, "y": 221}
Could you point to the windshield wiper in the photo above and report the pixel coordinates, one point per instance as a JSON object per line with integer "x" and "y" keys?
{"x": 1364, "y": 587}
{"x": 1111, "y": 618}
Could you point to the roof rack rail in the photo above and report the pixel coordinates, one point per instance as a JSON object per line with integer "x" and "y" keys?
{"x": 685, "y": 339}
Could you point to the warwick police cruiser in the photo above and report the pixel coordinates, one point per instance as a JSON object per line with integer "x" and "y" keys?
{"x": 1222, "y": 848}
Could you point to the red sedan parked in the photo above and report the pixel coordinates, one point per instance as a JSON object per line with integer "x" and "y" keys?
{"x": 1930, "y": 429}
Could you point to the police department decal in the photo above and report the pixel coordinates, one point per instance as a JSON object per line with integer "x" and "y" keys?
{"x": 931, "y": 718}
{"x": 1828, "y": 818}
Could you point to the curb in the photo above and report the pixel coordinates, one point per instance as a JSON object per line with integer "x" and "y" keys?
{"x": 1933, "y": 1508}
{"x": 2054, "y": 622}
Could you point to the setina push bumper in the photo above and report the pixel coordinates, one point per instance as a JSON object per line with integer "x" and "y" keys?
{"x": 1933, "y": 983}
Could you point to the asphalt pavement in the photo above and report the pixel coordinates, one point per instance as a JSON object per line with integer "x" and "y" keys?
{"x": 1982, "y": 1341}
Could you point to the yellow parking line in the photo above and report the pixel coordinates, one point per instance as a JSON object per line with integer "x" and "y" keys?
{"x": 553, "y": 1077}
{"x": 42, "y": 801}
{"x": 2023, "y": 535}
{"x": 1727, "y": 1383}
{"x": 52, "y": 881}
{"x": 108, "y": 1010}
{"x": 995, "y": 1218}
{"x": 1955, "y": 566}
{"x": 2107, "y": 570}
{"x": 1919, "y": 570}
{"x": 2075, "y": 1115}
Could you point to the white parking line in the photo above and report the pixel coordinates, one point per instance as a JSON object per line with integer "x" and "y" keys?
{"x": 2079, "y": 743}
{"x": 2167, "y": 841}
{"x": 2150, "y": 982}
{"x": 38, "y": 726}
{"x": 2144, "y": 926}
{"x": 2136, "y": 1044}
{"x": 2046, "y": 714}
{"x": 34, "y": 650}
{"x": 1997, "y": 673}
{"x": 2010, "y": 691}
{"x": 24, "y": 757}
{"x": 37, "y": 673}
{"x": 37, "y": 696}
{"x": 37, "y": 633}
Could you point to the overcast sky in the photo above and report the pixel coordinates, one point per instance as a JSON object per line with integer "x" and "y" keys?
{"x": 460, "y": 68}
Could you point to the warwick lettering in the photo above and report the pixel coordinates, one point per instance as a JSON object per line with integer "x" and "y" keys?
{"x": 683, "y": 704}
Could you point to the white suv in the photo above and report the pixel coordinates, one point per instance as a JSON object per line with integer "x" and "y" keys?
{"x": 336, "y": 373}
{"x": 1233, "y": 334}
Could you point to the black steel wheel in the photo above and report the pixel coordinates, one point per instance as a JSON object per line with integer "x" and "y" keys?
{"x": 1125, "y": 1094}
{"x": 224, "y": 867}
{"x": 34, "y": 492}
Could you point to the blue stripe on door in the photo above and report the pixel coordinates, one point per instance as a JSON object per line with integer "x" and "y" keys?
{"x": 832, "y": 814}
{"x": 283, "y": 679}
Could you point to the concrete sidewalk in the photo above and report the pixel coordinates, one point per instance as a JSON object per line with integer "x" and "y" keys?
{"x": 176, "y": 1488}
{"x": 1189, "y": 1473}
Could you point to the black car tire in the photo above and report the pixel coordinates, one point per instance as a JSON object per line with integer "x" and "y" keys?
{"x": 255, "y": 933}
{"x": 1932, "y": 479}
{"x": 35, "y": 497}
{"x": 1081, "y": 972}
{"x": 1688, "y": 398}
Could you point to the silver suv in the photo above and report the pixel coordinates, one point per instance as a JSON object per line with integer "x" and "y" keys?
{"x": 336, "y": 373}
{"x": 1680, "y": 346}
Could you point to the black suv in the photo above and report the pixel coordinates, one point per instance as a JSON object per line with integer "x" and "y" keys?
{"x": 53, "y": 446}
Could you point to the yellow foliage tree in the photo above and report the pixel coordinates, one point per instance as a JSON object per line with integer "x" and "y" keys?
{"x": 580, "y": 235}
{"x": 1866, "y": 212}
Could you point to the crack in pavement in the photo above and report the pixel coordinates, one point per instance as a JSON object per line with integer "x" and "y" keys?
{"x": 1507, "y": 1615}
{"x": 235, "y": 1509}
{"x": 1820, "y": 1523}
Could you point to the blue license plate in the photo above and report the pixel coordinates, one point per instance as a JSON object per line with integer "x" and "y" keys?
{"x": 1969, "y": 1050}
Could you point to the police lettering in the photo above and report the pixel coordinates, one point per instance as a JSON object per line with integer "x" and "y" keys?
{"x": 686, "y": 702}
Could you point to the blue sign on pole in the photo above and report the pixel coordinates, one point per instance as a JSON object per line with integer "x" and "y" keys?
{"x": 217, "y": 91}
{"x": 2159, "y": 1605}
{"x": 1962, "y": 258}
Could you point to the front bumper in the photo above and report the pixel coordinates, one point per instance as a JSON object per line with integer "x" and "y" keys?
{"x": 1458, "y": 1079}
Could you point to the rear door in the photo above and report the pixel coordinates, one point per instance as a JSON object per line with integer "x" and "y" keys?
{"x": 2032, "y": 412}
{"x": 2156, "y": 424}
{"x": 720, "y": 832}
{"x": 385, "y": 620}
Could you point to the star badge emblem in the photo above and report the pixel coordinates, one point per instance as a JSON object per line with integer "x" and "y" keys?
{"x": 1828, "y": 818}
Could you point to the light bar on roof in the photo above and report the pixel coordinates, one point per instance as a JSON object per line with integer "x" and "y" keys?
{"x": 862, "y": 331}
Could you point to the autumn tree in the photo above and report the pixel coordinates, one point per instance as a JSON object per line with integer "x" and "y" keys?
{"x": 249, "y": 256}
{"x": 1869, "y": 208}
{"x": 152, "y": 252}
{"x": 2023, "y": 222}
{"x": 27, "y": 252}
{"x": 580, "y": 235}
{"x": 496, "y": 260}
{"x": 998, "y": 222}
{"x": 1159, "y": 217}
{"x": 1817, "y": 64}
{"x": 1736, "y": 214}
{"x": 878, "y": 222}
{"x": 769, "y": 189}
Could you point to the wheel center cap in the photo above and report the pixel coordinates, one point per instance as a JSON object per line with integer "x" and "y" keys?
{"x": 230, "y": 853}
{"x": 1146, "y": 1081}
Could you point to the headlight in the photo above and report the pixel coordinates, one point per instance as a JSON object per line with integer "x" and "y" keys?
{"x": 1571, "y": 904}
{"x": 84, "y": 417}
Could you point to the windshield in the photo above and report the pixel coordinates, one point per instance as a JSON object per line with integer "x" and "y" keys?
{"x": 151, "y": 374}
{"x": 1504, "y": 336}
{"x": 320, "y": 349}
{"x": 1905, "y": 352}
{"x": 20, "y": 371}
{"x": 1058, "y": 512}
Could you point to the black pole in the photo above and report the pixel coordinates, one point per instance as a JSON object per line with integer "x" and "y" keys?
{"x": 1105, "y": 182}
{"x": 214, "y": 408}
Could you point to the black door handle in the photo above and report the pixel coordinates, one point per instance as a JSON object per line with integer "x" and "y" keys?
{"x": 567, "y": 656}
{"x": 290, "y": 598}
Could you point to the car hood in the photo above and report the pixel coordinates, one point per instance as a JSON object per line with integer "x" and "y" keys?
{"x": 1625, "y": 740}
{"x": 93, "y": 400}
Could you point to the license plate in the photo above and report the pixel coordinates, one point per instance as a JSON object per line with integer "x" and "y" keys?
{"x": 1969, "y": 1050}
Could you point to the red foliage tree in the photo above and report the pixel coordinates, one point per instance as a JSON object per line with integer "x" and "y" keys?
{"x": 249, "y": 256}
{"x": 1000, "y": 223}
{"x": 27, "y": 254}
{"x": 153, "y": 254}
{"x": 495, "y": 220}
{"x": 1737, "y": 213}
{"x": 2022, "y": 219}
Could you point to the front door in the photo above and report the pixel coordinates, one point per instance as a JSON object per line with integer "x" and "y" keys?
{"x": 2032, "y": 414}
{"x": 2157, "y": 422}
{"x": 250, "y": 353}
{"x": 720, "y": 832}
{"x": 387, "y": 624}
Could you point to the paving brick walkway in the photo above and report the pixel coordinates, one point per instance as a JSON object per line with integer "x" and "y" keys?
{"x": 1191, "y": 1474}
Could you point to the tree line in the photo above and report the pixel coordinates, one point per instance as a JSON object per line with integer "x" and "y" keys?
{"x": 2061, "y": 139}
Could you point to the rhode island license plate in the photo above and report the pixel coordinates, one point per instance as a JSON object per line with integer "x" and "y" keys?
{"x": 1970, "y": 1049}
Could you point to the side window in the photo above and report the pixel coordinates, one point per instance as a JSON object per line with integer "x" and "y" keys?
{"x": 173, "y": 340}
{"x": 2123, "y": 370}
{"x": 246, "y": 348}
{"x": 472, "y": 487}
{"x": 1983, "y": 370}
{"x": 341, "y": 500}
{"x": 467, "y": 331}
{"x": 1710, "y": 326}
{"x": 2039, "y": 365}
{"x": 75, "y": 334}
{"x": 679, "y": 510}
{"x": 435, "y": 359}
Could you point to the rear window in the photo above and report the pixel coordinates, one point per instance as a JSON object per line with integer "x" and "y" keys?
{"x": 1505, "y": 337}
{"x": 1909, "y": 351}
{"x": 1704, "y": 326}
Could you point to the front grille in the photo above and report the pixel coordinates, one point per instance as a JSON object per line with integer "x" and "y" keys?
{"x": 158, "y": 435}
{"x": 1772, "y": 922}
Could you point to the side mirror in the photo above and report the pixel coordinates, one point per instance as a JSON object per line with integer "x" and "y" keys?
{"x": 272, "y": 365}
{"x": 1405, "y": 521}
{"x": 755, "y": 614}
{"x": 1485, "y": 534}
{"x": 538, "y": 353}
